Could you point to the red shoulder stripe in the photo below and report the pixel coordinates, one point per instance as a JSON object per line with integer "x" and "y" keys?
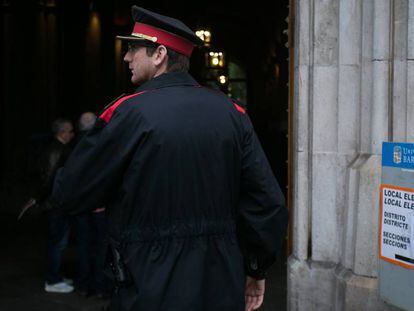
{"x": 239, "y": 108}
{"x": 107, "y": 114}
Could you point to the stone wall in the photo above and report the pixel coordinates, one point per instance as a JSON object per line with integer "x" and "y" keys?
{"x": 354, "y": 89}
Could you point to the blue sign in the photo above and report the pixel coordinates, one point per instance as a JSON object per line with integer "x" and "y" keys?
{"x": 399, "y": 155}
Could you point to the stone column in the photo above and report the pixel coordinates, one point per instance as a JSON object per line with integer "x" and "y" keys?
{"x": 352, "y": 92}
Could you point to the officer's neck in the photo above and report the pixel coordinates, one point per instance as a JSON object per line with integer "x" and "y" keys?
{"x": 160, "y": 70}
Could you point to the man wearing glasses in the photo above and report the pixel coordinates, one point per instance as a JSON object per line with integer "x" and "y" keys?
{"x": 195, "y": 214}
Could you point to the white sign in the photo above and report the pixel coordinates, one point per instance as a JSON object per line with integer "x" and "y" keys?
{"x": 397, "y": 226}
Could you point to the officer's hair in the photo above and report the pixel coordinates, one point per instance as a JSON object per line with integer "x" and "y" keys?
{"x": 57, "y": 125}
{"x": 177, "y": 62}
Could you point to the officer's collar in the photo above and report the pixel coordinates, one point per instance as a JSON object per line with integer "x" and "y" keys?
{"x": 168, "y": 79}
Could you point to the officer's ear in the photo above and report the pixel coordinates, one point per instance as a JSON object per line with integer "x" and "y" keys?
{"x": 160, "y": 55}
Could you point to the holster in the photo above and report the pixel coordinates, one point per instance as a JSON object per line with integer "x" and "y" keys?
{"x": 120, "y": 272}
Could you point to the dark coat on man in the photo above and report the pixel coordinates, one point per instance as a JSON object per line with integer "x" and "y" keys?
{"x": 50, "y": 160}
{"x": 191, "y": 201}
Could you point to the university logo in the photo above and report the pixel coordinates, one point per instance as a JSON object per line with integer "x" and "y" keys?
{"x": 397, "y": 155}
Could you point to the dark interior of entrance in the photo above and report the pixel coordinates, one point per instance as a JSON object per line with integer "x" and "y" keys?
{"x": 60, "y": 58}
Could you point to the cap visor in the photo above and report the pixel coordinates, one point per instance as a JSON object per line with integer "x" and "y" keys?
{"x": 130, "y": 38}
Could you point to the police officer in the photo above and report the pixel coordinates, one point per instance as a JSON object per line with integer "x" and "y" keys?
{"x": 195, "y": 213}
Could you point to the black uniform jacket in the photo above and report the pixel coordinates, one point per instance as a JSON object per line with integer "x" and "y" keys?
{"x": 190, "y": 196}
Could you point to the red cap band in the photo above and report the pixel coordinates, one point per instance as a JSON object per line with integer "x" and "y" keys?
{"x": 163, "y": 37}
